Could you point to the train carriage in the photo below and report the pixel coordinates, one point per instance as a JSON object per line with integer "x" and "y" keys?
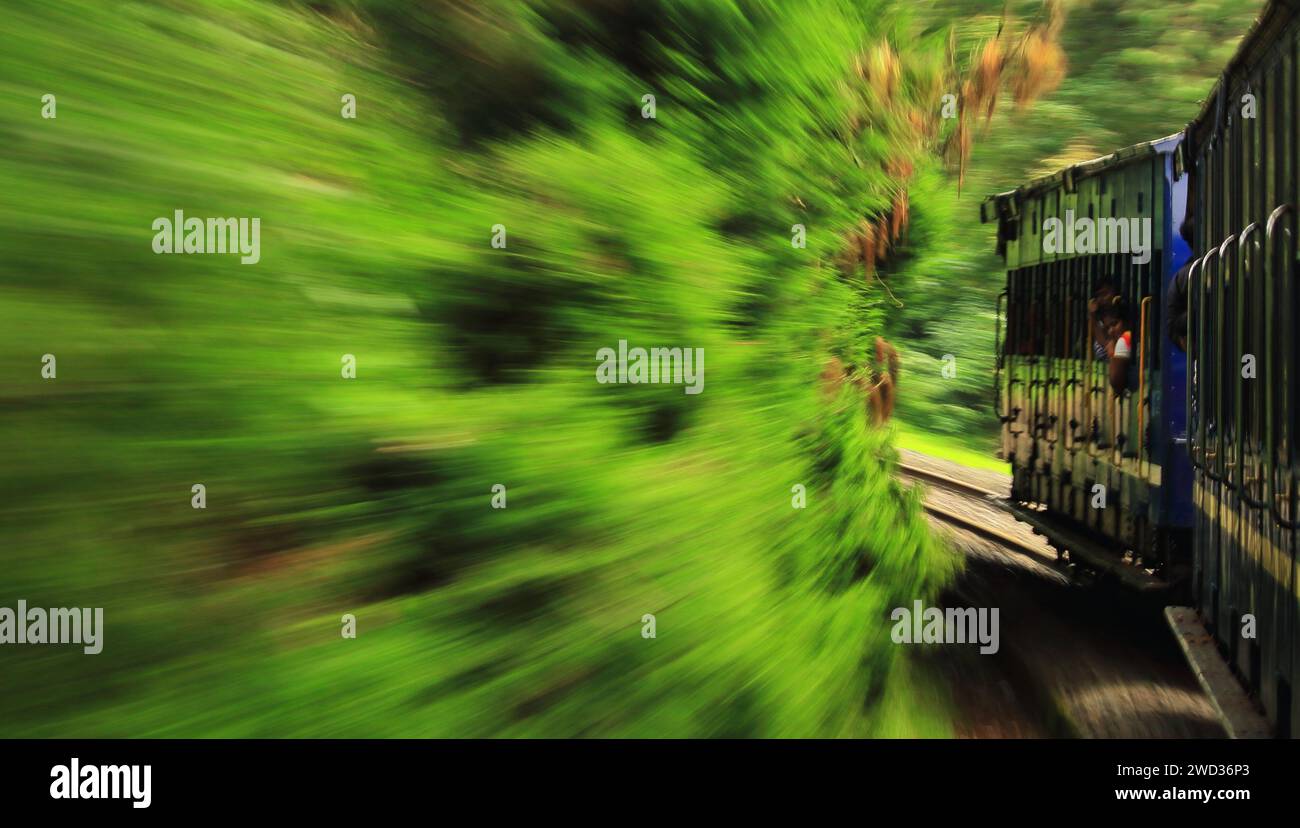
{"x": 1240, "y": 154}
{"x": 1098, "y": 471}
{"x": 1182, "y": 475}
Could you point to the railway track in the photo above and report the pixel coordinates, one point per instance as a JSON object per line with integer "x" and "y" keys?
{"x": 918, "y": 473}
{"x": 967, "y": 524}
{"x": 1085, "y": 554}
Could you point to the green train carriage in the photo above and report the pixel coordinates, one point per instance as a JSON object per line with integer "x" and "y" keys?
{"x": 1195, "y": 456}
{"x": 1098, "y": 472}
{"x": 1241, "y": 155}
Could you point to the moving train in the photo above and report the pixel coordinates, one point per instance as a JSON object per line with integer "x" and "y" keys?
{"x": 1171, "y": 466}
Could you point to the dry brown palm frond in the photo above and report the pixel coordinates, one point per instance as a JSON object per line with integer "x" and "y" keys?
{"x": 1031, "y": 66}
{"x": 959, "y": 148}
{"x": 899, "y": 168}
{"x": 1039, "y": 69}
{"x": 867, "y": 247}
{"x": 832, "y": 378}
{"x": 883, "y": 71}
{"x": 1040, "y": 61}
{"x": 986, "y": 79}
{"x": 922, "y": 126}
{"x": 899, "y": 215}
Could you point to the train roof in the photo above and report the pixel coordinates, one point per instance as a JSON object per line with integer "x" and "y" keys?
{"x": 1272, "y": 22}
{"x": 1071, "y": 175}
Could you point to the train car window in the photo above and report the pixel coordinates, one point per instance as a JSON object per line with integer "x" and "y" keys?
{"x": 1229, "y": 364}
{"x": 1213, "y": 362}
{"x": 1026, "y": 298}
{"x": 1038, "y": 312}
{"x": 1220, "y": 440}
{"x": 1117, "y": 265}
{"x": 1028, "y": 317}
{"x": 1046, "y": 310}
{"x": 1249, "y": 342}
{"x": 1082, "y": 292}
{"x": 1022, "y": 306}
{"x": 1286, "y": 393}
{"x": 1196, "y": 317}
{"x": 1213, "y": 371}
{"x": 1261, "y": 330}
{"x": 1083, "y": 287}
{"x": 1267, "y": 435}
{"x": 1060, "y": 331}
{"x": 1235, "y": 286}
{"x": 1067, "y": 310}
{"x": 1013, "y": 313}
{"x": 1022, "y": 298}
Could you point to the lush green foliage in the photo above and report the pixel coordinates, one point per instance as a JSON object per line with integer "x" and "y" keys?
{"x": 475, "y": 367}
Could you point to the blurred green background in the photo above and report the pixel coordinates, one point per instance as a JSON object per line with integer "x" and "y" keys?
{"x": 475, "y": 365}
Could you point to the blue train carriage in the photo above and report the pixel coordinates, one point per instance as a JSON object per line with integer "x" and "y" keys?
{"x": 1104, "y": 475}
{"x": 1241, "y": 157}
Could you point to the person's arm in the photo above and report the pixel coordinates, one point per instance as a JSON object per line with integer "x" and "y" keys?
{"x": 1098, "y": 329}
{"x": 1118, "y": 374}
{"x": 1099, "y": 335}
{"x": 1120, "y": 353}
